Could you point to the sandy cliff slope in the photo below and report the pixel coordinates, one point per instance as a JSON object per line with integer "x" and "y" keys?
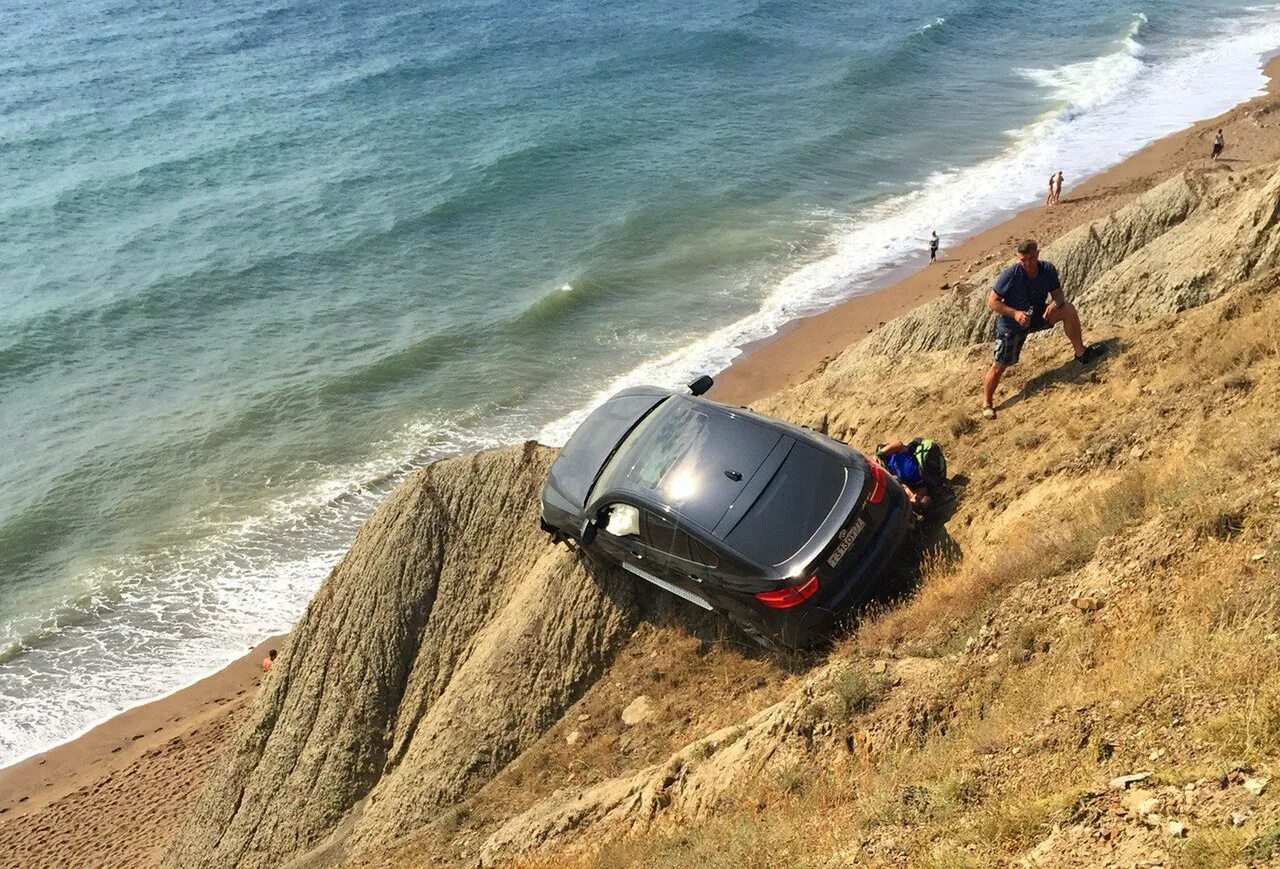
{"x": 446, "y": 640}
{"x": 453, "y": 644}
{"x": 1176, "y": 246}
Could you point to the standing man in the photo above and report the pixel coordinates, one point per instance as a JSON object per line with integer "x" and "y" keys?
{"x": 1048, "y": 197}
{"x": 1217, "y": 146}
{"x": 1057, "y": 187}
{"x": 933, "y": 247}
{"x": 1019, "y": 297}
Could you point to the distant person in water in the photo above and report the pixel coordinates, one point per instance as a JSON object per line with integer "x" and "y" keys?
{"x": 1048, "y": 197}
{"x": 1057, "y": 187}
{"x": 1217, "y": 146}
{"x": 933, "y": 246}
{"x": 1019, "y": 297}
{"x": 268, "y": 661}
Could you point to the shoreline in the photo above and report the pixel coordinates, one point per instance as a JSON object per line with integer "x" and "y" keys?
{"x": 126, "y": 736}
{"x": 802, "y": 347}
{"x": 186, "y": 725}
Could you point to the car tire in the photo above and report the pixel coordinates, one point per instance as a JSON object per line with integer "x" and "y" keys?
{"x": 763, "y": 640}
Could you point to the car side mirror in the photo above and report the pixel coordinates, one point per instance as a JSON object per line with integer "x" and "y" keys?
{"x": 588, "y": 532}
{"x": 701, "y": 385}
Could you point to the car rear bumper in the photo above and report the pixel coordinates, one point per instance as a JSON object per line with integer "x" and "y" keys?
{"x": 804, "y": 625}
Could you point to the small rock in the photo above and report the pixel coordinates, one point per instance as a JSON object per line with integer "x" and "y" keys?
{"x": 1156, "y": 755}
{"x": 584, "y": 717}
{"x": 1177, "y": 829}
{"x": 1136, "y": 452}
{"x": 1258, "y": 556}
{"x": 1239, "y": 819}
{"x": 879, "y": 667}
{"x": 1121, "y": 782}
{"x": 1087, "y": 603}
{"x": 1256, "y": 786}
{"x": 1140, "y": 801}
{"x": 637, "y": 710}
{"x": 572, "y": 738}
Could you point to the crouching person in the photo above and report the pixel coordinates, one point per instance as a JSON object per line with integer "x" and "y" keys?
{"x": 919, "y": 466}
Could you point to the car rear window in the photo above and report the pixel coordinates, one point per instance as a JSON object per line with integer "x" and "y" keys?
{"x": 790, "y": 509}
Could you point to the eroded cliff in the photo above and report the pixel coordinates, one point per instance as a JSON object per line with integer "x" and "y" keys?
{"x": 446, "y": 640}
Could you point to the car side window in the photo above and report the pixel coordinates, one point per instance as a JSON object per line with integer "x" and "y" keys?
{"x": 690, "y": 549}
{"x": 663, "y": 536}
{"x": 659, "y": 535}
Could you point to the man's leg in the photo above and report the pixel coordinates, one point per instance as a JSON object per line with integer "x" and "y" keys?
{"x": 989, "y": 384}
{"x": 1069, "y": 318}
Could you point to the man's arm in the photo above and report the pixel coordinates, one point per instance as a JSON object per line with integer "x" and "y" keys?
{"x": 1059, "y": 297}
{"x": 995, "y": 303}
{"x": 894, "y": 446}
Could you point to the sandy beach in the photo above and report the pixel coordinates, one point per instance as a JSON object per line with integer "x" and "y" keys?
{"x": 116, "y": 795}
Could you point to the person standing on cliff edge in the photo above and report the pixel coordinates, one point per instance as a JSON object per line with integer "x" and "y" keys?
{"x": 1019, "y": 297}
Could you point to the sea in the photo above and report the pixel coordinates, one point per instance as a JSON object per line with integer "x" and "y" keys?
{"x": 261, "y": 260}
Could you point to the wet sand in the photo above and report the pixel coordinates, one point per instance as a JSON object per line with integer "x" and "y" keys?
{"x": 117, "y": 795}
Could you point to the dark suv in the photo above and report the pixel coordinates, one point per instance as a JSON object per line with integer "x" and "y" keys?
{"x": 776, "y": 526}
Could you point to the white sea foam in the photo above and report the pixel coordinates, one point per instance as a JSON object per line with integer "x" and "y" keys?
{"x": 146, "y": 626}
{"x": 1099, "y": 111}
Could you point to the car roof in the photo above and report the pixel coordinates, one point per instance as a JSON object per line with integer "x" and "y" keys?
{"x": 696, "y": 458}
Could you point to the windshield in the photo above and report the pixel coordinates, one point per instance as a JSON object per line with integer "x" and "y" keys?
{"x": 654, "y": 455}
{"x": 791, "y": 508}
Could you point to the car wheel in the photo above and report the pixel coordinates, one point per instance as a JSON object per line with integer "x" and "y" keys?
{"x": 761, "y": 639}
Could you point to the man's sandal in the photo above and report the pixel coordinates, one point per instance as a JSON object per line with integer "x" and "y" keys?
{"x": 1092, "y": 352}
{"x": 988, "y": 412}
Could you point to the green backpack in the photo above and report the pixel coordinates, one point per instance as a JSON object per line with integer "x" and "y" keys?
{"x": 933, "y": 464}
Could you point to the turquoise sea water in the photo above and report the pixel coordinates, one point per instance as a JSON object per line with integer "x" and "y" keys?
{"x": 260, "y": 260}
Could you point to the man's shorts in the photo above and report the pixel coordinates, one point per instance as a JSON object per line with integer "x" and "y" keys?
{"x": 1009, "y": 341}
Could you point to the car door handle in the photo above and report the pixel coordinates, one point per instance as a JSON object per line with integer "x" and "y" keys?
{"x": 638, "y": 553}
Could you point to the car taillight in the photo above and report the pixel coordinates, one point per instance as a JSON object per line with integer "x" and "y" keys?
{"x": 879, "y": 483}
{"x": 792, "y": 595}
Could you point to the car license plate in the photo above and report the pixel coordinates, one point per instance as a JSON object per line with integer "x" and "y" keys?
{"x": 847, "y": 535}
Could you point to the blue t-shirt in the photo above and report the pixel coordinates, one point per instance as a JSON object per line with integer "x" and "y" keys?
{"x": 1024, "y": 293}
{"x": 904, "y": 466}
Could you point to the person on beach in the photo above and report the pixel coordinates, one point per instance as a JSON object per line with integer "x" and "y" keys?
{"x": 1048, "y": 197}
{"x": 1217, "y": 146}
{"x": 1019, "y": 298}
{"x": 933, "y": 246}
{"x": 1057, "y": 187}
{"x": 268, "y": 661}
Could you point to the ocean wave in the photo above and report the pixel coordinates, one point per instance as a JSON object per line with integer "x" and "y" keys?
{"x": 1080, "y": 87}
{"x": 1090, "y": 127}
{"x": 935, "y": 23}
